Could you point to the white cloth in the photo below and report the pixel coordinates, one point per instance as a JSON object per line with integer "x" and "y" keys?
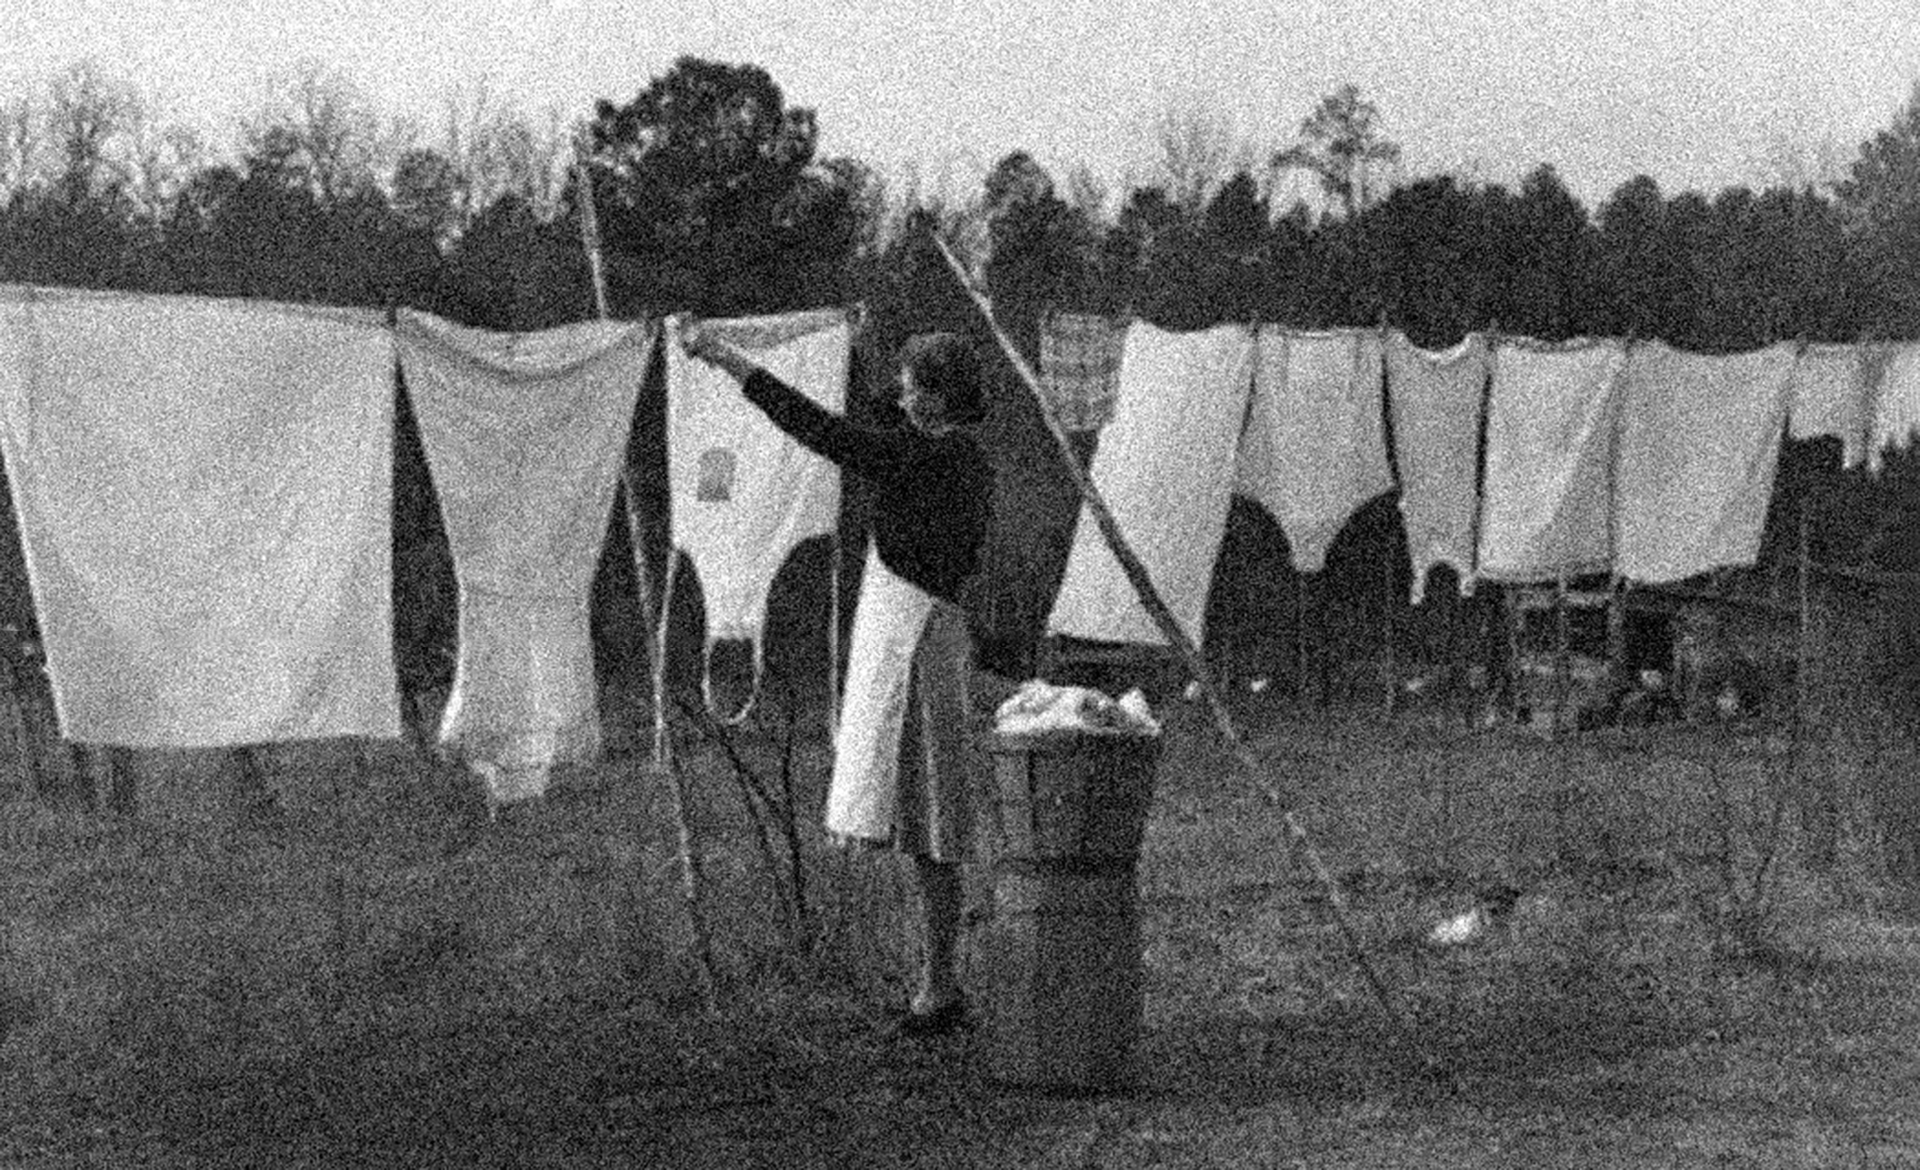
{"x": 1550, "y": 439}
{"x": 1165, "y": 467}
{"x": 1830, "y": 397}
{"x": 1896, "y": 400}
{"x": 744, "y": 494}
{"x": 1041, "y": 708}
{"x": 204, "y": 493}
{"x": 863, "y": 792}
{"x": 1699, "y": 442}
{"x": 1436, "y": 399}
{"x": 525, "y": 434}
{"x": 1314, "y": 449}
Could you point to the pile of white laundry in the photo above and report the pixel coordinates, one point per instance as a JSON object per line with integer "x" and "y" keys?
{"x": 1040, "y": 707}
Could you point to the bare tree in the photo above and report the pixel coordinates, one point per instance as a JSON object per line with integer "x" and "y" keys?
{"x": 966, "y": 226}
{"x": 1086, "y": 193}
{"x": 496, "y": 150}
{"x": 326, "y": 126}
{"x": 161, "y": 160}
{"x": 1802, "y": 161}
{"x": 1199, "y": 149}
{"x": 90, "y": 116}
{"x": 900, "y": 196}
{"x": 22, "y": 143}
{"x": 1343, "y": 146}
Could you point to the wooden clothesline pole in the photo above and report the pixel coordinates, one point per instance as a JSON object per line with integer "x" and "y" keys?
{"x": 1503, "y": 680}
{"x": 1248, "y": 765}
{"x": 652, "y": 607}
{"x": 1483, "y": 408}
{"x": 655, "y": 617}
{"x": 1388, "y": 581}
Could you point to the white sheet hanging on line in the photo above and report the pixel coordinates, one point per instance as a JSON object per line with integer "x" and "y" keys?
{"x": 524, "y": 433}
{"x": 1436, "y": 398}
{"x": 1314, "y": 449}
{"x": 744, "y": 494}
{"x": 1165, "y": 468}
{"x": 1895, "y": 395}
{"x": 1830, "y": 397}
{"x": 204, "y": 493}
{"x": 1699, "y": 440}
{"x": 1550, "y": 438}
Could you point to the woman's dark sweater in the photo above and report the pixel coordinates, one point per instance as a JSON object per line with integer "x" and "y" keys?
{"x": 935, "y": 492}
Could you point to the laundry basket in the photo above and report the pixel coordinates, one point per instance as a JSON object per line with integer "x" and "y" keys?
{"x": 1064, "y": 999}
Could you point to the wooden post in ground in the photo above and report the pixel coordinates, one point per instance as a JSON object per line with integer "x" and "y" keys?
{"x": 19, "y": 730}
{"x": 1618, "y": 669}
{"x": 1388, "y": 634}
{"x": 1562, "y": 656}
{"x": 1824, "y": 802}
{"x": 1300, "y": 632}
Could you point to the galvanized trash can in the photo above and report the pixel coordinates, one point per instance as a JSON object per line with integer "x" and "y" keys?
{"x": 1063, "y": 997}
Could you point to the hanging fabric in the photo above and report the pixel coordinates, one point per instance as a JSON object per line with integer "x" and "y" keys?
{"x": 1080, "y": 368}
{"x": 1699, "y": 442}
{"x": 1895, "y": 397}
{"x": 1829, "y": 396}
{"x": 524, "y": 435}
{"x": 1550, "y": 438}
{"x": 1436, "y": 398}
{"x": 204, "y": 492}
{"x": 1314, "y": 449}
{"x": 744, "y": 493}
{"x": 1165, "y": 467}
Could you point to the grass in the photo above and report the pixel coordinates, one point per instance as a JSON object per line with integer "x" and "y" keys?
{"x": 382, "y": 977}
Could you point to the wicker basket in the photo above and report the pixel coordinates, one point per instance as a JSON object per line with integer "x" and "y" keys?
{"x": 1064, "y": 1005}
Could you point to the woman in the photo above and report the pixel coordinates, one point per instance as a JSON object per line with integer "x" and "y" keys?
{"x": 934, "y": 496}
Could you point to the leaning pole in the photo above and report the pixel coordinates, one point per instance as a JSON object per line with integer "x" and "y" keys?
{"x": 1245, "y": 762}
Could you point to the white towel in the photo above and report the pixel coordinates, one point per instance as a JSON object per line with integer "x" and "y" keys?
{"x": 1314, "y": 449}
{"x": 744, "y": 494}
{"x": 1699, "y": 442}
{"x": 1165, "y": 468}
{"x": 1896, "y": 400}
{"x": 204, "y": 492}
{"x": 524, "y": 433}
{"x": 1830, "y": 397}
{"x": 1550, "y": 439}
{"x": 863, "y": 792}
{"x": 1436, "y": 398}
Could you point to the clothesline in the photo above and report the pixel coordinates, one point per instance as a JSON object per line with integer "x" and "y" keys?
{"x": 226, "y": 578}
{"x": 203, "y": 491}
{"x": 1609, "y": 456}
{"x": 1493, "y": 332}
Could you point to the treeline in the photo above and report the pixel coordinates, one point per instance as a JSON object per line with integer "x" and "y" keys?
{"x": 712, "y": 197}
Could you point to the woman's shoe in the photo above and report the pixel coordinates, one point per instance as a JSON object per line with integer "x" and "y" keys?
{"x": 944, "y": 1020}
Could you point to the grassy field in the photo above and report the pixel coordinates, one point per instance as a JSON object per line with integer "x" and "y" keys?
{"x": 1713, "y": 963}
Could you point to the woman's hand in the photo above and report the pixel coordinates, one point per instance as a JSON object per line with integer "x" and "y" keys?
{"x": 701, "y": 342}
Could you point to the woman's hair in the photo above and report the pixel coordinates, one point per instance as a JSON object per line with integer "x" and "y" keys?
{"x": 946, "y": 366}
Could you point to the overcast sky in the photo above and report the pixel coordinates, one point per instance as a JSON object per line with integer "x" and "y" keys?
{"x": 1700, "y": 95}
